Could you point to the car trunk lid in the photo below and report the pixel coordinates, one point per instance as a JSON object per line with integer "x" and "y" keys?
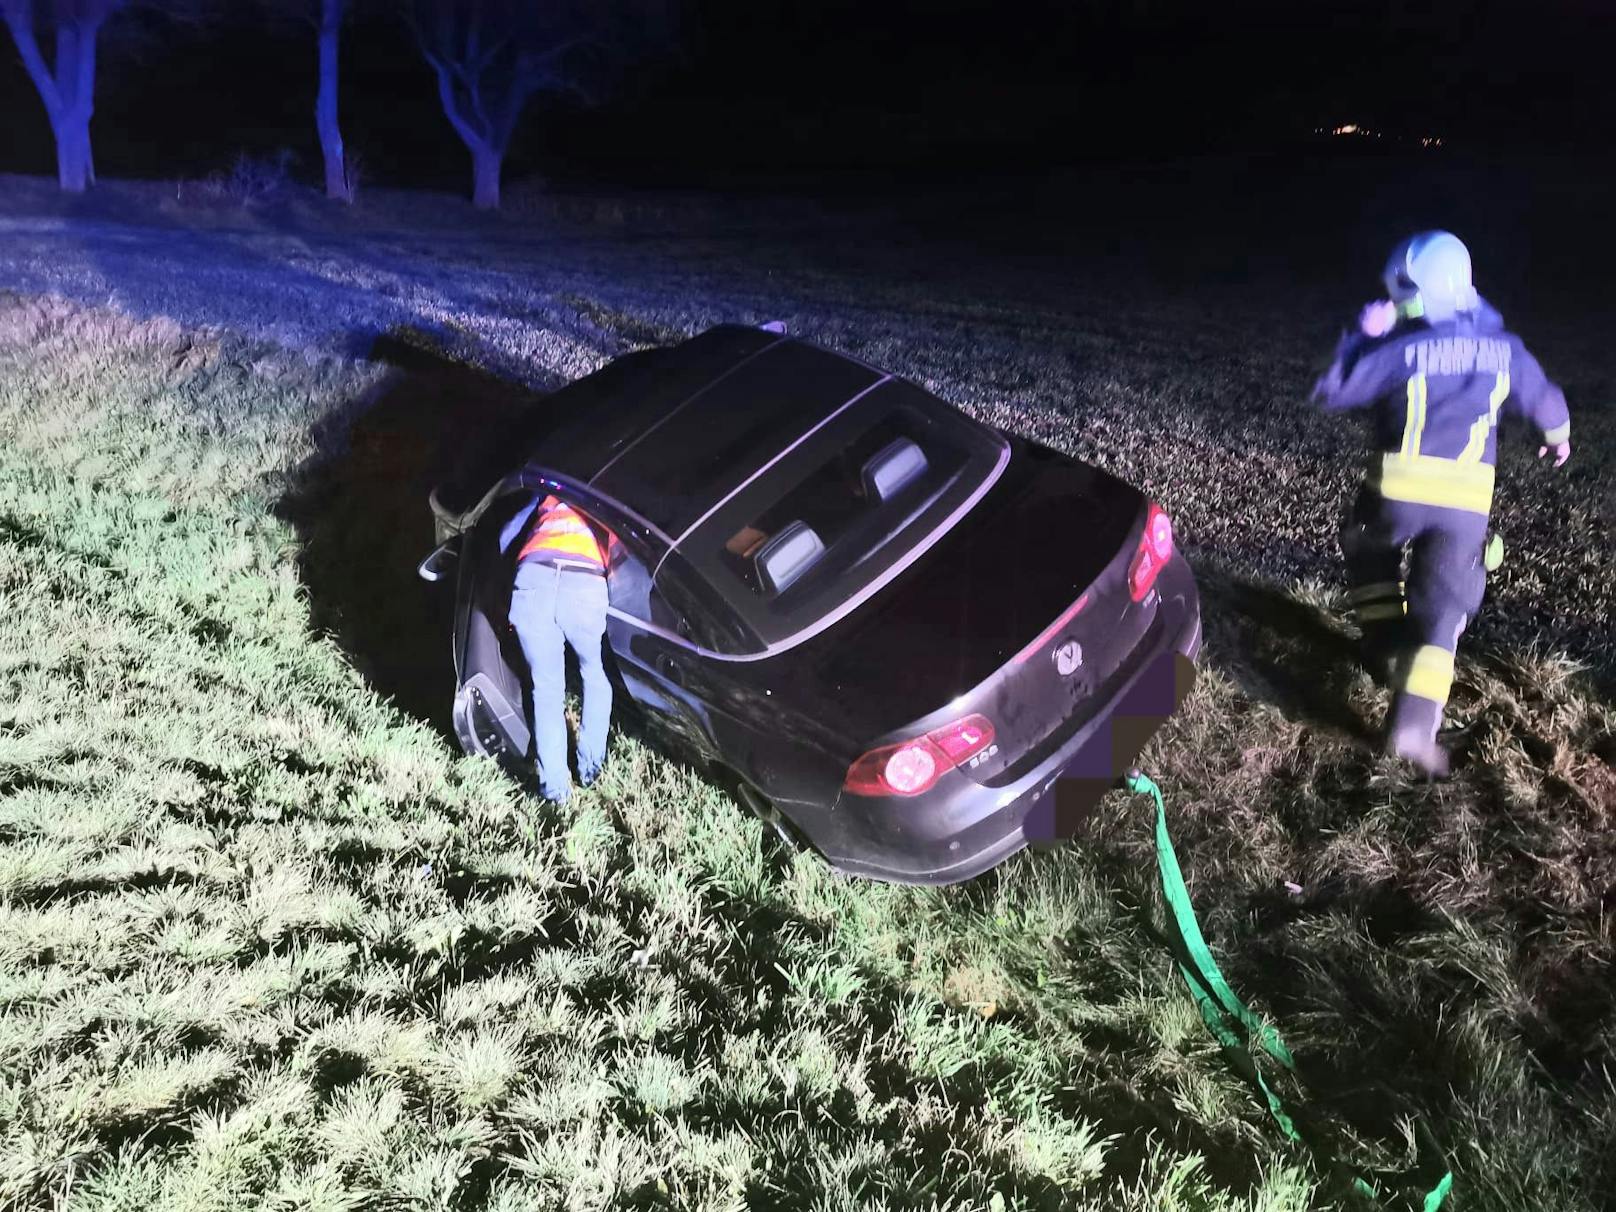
{"x": 1060, "y": 679}
{"x": 1041, "y": 563}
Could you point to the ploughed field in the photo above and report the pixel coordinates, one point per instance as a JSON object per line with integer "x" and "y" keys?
{"x": 265, "y": 940}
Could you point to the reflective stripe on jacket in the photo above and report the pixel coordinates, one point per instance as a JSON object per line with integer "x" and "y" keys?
{"x": 563, "y": 537}
{"x": 1437, "y": 391}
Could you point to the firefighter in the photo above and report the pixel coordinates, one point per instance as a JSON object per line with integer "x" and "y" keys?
{"x": 559, "y": 601}
{"x": 1438, "y": 368}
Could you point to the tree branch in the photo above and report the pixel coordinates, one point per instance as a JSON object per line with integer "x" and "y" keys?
{"x": 516, "y": 95}
{"x": 474, "y": 91}
{"x": 488, "y": 56}
{"x": 19, "y": 16}
{"x": 67, "y": 61}
{"x": 536, "y": 73}
{"x": 470, "y": 80}
{"x": 84, "y": 69}
{"x": 451, "y": 108}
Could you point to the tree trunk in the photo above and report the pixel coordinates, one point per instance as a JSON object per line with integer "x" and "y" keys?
{"x": 337, "y": 185}
{"x": 486, "y": 162}
{"x": 67, "y": 89}
{"x": 75, "y": 84}
{"x": 74, "y": 172}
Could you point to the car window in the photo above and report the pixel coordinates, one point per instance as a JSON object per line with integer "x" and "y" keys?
{"x": 843, "y": 509}
{"x": 705, "y": 617}
{"x": 827, "y": 521}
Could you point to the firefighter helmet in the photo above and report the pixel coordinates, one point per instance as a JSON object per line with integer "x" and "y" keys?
{"x": 1429, "y": 275}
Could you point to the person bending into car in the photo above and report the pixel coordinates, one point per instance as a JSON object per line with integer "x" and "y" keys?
{"x": 1437, "y": 367}
{"x": 559, "y": 601}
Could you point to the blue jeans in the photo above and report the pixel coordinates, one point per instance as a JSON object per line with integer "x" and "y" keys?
{"x": 549, "y": 607}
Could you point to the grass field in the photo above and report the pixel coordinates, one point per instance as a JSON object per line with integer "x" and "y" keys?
{"x": 265, "y": 941}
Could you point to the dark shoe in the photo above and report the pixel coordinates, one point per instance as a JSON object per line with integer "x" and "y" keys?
{"x": 1379, "y": 647}
{"x": 1380, "y": 663}
{"x": 1379, "y": 658}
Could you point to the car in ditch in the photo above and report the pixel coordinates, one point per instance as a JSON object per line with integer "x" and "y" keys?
{"x": 911, "y": 641}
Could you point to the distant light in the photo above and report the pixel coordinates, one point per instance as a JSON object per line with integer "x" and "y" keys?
{"x": 1363, "y": 132}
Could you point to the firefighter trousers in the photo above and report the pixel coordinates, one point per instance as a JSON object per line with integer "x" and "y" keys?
{"x": 1413, "y": 622}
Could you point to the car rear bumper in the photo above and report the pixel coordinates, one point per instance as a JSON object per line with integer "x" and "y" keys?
{"x": 964, "y": 828}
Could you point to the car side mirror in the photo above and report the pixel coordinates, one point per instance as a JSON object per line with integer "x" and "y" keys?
{"x": 436, "y": 566}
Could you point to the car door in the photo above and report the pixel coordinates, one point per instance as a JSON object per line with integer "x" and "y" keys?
{"x": 653, "y": 645}
{"x": 490, "y": 704}
{"x": 647, "y": 642}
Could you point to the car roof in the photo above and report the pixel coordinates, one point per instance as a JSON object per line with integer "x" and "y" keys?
{"x": 671, "y": 433}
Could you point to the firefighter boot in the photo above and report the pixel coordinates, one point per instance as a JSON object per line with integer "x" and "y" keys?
{"x": 1411, "y": 729}
{"x": 1378, "y": 647}
{"x": 1379, "y": 609}
{"x": 1373, "y": 548}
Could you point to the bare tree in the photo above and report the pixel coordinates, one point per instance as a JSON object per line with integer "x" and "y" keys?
{"x": 68, "y": 87}
{"x": 73, "y": 32}
{"x": 338, "y": 185}
{"x": 491, "y": 57}
{"x": 327, "y": 17}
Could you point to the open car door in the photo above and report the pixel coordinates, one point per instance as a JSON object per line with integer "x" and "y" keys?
{"x": 490, "y": 719}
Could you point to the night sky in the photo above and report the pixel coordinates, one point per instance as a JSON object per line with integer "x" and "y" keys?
{"x": 954, "y": 86}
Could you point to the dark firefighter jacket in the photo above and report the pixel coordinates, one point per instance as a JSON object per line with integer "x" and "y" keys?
{"x": 1437, "y": 391}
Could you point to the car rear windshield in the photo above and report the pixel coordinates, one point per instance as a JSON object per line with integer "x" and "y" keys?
{"x": 807, "y": 537}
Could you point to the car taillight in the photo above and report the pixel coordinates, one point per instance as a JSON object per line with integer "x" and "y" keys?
{"x": 913, "y": 766}
{"x": 1155, "y": 549}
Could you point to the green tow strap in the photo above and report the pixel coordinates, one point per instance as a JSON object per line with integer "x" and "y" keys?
{"x": 1228, "y": 1018}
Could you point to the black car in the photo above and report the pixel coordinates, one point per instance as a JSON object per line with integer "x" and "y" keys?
{"x": 903, "y": 634}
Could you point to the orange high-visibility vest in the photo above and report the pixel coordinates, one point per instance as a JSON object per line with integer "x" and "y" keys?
{"x": 563, "y": 537}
